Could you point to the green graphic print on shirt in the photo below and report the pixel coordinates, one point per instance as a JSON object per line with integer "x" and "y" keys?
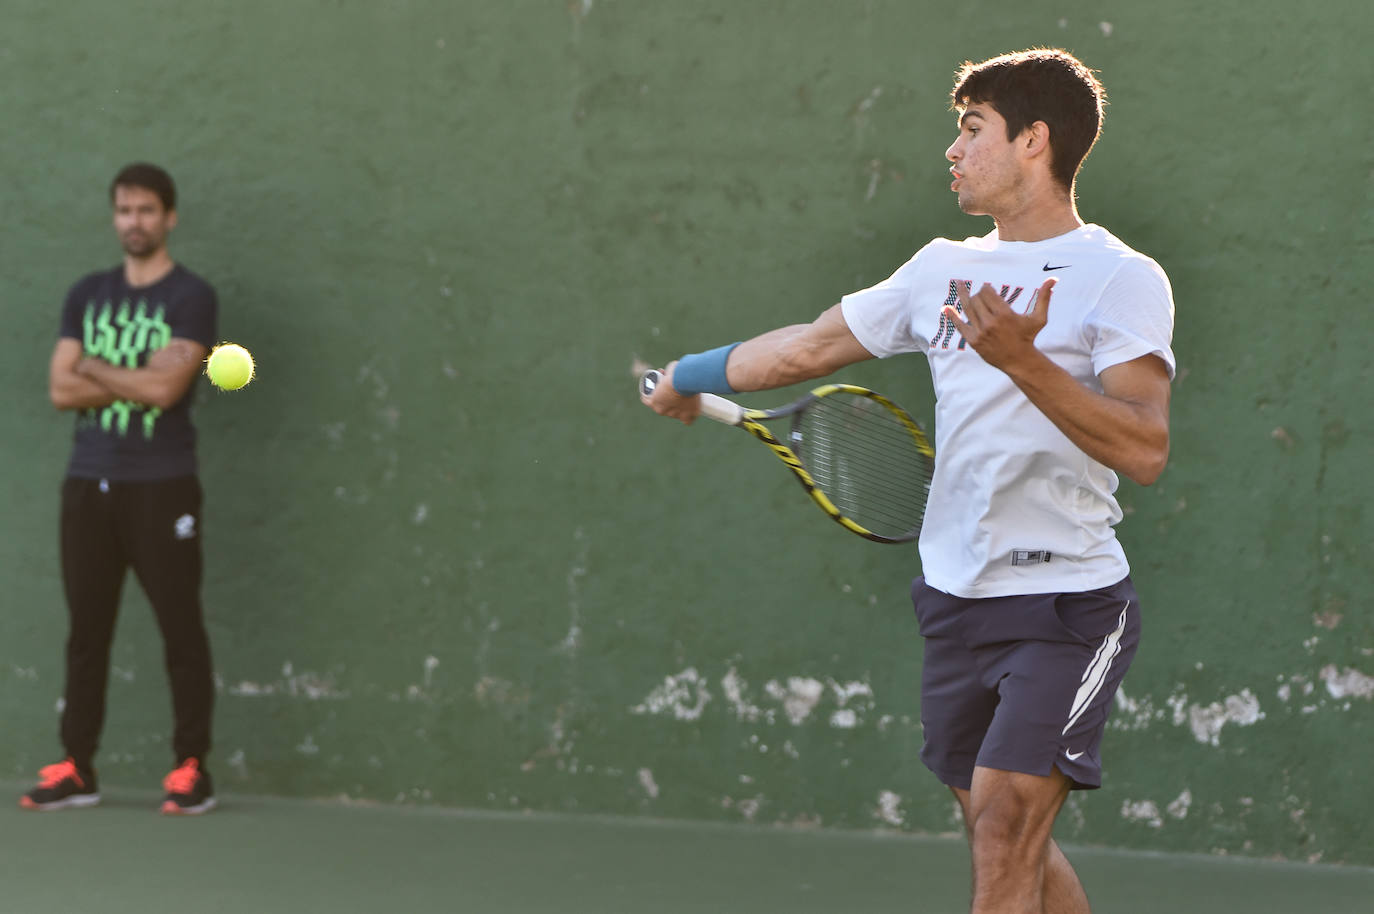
{"x": 122, "y": 335}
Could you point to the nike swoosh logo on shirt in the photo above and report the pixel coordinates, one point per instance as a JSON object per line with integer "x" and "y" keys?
{"x": 1073, "y": 756}
{"x": 1047, "y": 267}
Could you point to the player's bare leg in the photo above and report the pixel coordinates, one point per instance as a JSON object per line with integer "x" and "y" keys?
{"x": 1017, "y": 866}
{"x": 1063, "y": 893}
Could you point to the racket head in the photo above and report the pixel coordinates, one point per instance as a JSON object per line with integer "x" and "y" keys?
{"x": 868, "y": 461}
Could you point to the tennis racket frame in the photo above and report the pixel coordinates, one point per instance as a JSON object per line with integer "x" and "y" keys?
{"x": 727, "y": 412}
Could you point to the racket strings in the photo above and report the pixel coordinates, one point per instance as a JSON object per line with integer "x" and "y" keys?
{"x": 867, "y": 462}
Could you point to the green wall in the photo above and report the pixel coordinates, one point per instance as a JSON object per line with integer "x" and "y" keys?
{"x": 453, "y": 562}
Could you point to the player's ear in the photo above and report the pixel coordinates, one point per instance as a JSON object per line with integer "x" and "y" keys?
{"x": 171, "y": 219}
{"x": 1035, "y": 139}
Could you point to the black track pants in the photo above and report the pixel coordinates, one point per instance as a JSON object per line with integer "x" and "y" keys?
{"x": 155, "y": 528}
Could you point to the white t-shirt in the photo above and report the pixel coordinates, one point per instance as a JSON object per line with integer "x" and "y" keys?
{"x": 1015, "y": 506}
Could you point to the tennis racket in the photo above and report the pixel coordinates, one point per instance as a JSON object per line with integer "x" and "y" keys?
{"x": 859, "y": 456}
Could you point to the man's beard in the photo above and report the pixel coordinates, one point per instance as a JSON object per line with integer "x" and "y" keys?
{"x": 137, "y": 244}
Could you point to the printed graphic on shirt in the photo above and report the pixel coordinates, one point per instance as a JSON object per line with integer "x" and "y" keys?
{"x": 946, "y": 332}
{"x": 122, "y": 335}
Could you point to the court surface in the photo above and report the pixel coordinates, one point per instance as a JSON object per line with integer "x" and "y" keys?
{"x": 265, "y": 855}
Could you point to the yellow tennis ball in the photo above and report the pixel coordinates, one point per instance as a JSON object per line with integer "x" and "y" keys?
{"x": 229, "y": 367}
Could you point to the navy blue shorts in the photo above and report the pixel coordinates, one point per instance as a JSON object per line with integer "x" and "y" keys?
{"x": 1022, "y": 683}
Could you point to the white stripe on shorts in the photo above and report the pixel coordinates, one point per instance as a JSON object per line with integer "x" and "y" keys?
{"x": 1097, "y": 670}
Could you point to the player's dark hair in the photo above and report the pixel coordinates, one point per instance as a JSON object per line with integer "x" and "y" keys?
{"x": 148, "y": 177}
{"x": 1040, "y": 84}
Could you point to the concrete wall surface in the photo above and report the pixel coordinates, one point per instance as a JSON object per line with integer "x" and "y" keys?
{"x": 452, "y": 561}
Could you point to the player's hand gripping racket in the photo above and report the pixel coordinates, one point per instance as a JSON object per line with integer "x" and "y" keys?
{"x": 859, "y": 456}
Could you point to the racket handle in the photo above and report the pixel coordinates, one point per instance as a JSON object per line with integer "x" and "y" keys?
{"x": 721, "y": 409}
{"x": 712, "y": 406}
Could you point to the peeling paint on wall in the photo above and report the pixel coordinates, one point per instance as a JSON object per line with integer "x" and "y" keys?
{"x": 576, "y": 572}
{"x": 646, "y": 780}
{"x": 493, "y": 691}
{"x": 1179, "y": 807}
{"x": 1142, "y": 811}
{"x": 1242, "y": 709}
{"x": 889, "y": 809}
{"x": 1347, "y": 683}
{"x": 306, "y": 684}
{"x": 684, "y": 695}
{"x": 799, "y": 698}
{"x": 847, "y": 717}
{"x": 1205, "y": 722}
{"x": 734, "y": 687}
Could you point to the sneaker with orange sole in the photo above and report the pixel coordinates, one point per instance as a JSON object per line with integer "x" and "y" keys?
{"x": 62, "y": 786}
{"x": 189, "y": 792}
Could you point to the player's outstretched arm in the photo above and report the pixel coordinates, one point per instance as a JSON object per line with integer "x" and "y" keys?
{"x": 788, "y": 355}
{"x": 163, "y": 381}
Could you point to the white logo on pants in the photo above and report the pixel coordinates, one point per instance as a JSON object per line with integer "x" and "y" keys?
{"x": 185, "y": 527}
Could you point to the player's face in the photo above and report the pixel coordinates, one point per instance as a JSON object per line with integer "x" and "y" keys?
{"x": 986, "y": 172}
{"x": 140, "y": 221}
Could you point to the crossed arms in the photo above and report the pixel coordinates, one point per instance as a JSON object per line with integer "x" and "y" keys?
{"x": 78, "y": 382}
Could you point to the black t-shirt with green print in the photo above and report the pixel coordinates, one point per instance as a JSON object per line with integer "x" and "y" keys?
{"x": 123, "y": 324}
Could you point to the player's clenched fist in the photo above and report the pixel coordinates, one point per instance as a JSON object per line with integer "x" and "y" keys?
{"x": 664, "y": 399}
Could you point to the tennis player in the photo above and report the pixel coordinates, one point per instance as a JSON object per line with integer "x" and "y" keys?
{"x": 1048, "y": 341}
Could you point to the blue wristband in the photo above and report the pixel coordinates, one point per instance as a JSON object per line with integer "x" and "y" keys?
{"x": 703, "y": 372}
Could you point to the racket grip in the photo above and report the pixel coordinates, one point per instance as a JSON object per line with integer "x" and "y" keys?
{"x": 712, "y": 406}
{"x": 721, "y": 409}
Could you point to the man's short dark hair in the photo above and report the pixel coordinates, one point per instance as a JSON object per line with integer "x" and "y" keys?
{"x": 1040, "y": 84}
{"x": 148, "y": 177}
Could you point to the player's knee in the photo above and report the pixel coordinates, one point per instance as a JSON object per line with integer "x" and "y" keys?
{"x": 1006, "y": 829}
{"x": 89, "y": 644}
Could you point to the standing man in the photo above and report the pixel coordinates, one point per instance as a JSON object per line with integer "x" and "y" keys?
{"x": 1025, "y": 605}
{"x": 132, "y": 342}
